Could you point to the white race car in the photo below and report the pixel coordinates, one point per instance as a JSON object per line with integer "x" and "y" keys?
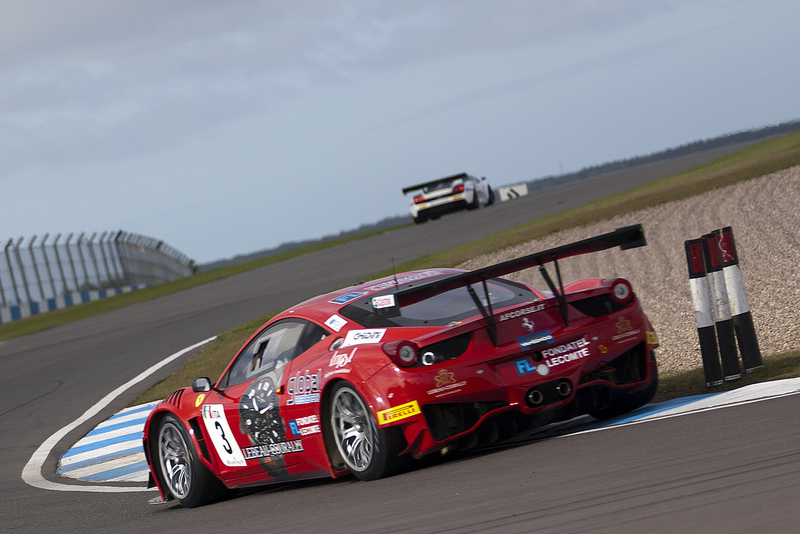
{"x": 437, "y": 197}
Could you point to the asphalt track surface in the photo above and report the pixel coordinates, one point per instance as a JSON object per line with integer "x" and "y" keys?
{"x": 734, "y": 469}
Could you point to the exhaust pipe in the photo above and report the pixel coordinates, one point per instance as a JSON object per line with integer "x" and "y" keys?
{"x": 535, "y": 397}
{"x": 564, "y": 388}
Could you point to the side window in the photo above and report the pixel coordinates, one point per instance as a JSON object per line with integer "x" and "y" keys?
{"x": 273, "y": 348}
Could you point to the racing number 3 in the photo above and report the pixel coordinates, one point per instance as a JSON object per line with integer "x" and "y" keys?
{"x": 225, "y": 443}
{"x": 220, "y": 433}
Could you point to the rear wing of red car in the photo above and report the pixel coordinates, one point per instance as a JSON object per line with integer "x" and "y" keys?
{"x": 625, "y": 238}
{"x": 410, "y": 188}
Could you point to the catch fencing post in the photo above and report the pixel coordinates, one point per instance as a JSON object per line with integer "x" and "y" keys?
{"x": 47, "y": 264}
{"x": 698, "y": 282}
{"x": 36, "y": 268}
{"x": 22, "y": 269}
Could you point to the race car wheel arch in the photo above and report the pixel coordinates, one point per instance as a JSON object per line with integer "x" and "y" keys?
{"x": 631, "y": 401}
{"x": 369, "y": 452}
{"x": 180, "y": 470}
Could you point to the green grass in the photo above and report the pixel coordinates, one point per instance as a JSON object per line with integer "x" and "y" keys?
{"x": 210, "y": 361}
{"x": 674, "y": 384}
{"x": 759, "y": 160}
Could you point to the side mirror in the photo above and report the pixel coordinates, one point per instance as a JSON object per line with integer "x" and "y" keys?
{"x": 201, "y": 385}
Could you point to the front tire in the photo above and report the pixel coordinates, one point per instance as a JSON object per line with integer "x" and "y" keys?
{"x": 184, "y": 475}
{"x": 368, "y": 451}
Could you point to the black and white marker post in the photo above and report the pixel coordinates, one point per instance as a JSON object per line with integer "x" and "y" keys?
{"x": 740, "y": 307}
{"x": 698, "y": 283}
{"x": 722, "y": 310}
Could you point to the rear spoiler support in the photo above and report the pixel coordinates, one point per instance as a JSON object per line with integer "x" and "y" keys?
{"x": 558, "y": 293}
{"x": 626, "y": 238}
{"x": 488, "y": 315}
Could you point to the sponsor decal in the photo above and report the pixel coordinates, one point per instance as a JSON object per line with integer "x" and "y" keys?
{"x": 445, "y": 377}
{"x": 623, "y": 325}
{"x": 341, "y": 359}
{"x": 624, "y": 330}
{"x": 403, "y": 280}
{"x": 199, "y": 400}
{"x": 652, "y": 338}
{"x": 524, "y": 367}
{"x": 566, "y": 347}
{"x": 446, "y": 384}
{"x": 519, "y": 313}
{"x": 303, "y": 388}
{"x": 542, "y": 337}
{"x": 569, "y": 357}
{"x": 344, "y": 299}
{"x": 221, "y": 436}
{"x": 362, "y": 337}
{"x": 399, "y": 412}
{"x": 567, "y": 352}
{"x": 305, "y": 426}
{"x": 272, "y": 449}
{"x": 335, "y": 323}
{"x": 553, "y": 357}
{"x": 383, "y": 301}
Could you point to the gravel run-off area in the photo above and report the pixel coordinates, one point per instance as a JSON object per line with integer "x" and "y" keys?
{"x": 765, "y": 216}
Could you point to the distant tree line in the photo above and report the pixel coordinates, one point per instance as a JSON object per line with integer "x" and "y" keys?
{"x": 547, "y": 182}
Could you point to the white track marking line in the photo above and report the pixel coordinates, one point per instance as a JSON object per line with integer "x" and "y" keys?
{"x": 32, "y": 472}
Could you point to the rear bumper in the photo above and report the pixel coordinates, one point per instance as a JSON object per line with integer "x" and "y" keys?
{"x": 441, "y": 206}
{"x": 489, "y": 416}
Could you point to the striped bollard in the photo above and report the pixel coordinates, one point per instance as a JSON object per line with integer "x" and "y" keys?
{"x": 740, "y": 307}
{"x": 698, "y": 283}
{"x": 722, "y": 310}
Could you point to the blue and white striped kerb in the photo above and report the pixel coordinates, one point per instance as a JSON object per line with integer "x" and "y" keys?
{"x": 111, "y": 452}
{"x": 21, "y": 311}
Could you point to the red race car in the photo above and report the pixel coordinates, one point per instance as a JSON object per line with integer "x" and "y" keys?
{"x": 364, "y": 378}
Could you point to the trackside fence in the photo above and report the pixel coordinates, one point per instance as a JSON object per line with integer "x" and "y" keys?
{"x": 41, "y": 275}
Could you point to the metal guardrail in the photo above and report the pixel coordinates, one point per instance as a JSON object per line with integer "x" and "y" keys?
{"x": 38, "y": 271}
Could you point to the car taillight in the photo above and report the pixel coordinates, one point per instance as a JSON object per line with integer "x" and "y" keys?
{"x": 621, "y": 290}
{"x": 458, "y": 189}
{"x": 403, "y": 353}
{"x": 419, "y": 199}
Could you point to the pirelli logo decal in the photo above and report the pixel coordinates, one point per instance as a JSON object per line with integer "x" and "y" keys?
{"x": 398, "y": 412}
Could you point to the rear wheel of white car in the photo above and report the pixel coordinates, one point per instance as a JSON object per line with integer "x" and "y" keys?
{"x": 369, "y": 452}
{"x": 185, "y": 477}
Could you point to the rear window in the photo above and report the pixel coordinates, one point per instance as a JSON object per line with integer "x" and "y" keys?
{"x": 444, "y": 184}
{"x": 441, "y": 310}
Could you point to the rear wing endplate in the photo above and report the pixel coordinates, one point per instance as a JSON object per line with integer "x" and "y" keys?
{"x": 625, "y": 238}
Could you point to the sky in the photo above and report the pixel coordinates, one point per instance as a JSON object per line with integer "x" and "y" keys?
{"x": 225, "y": 128}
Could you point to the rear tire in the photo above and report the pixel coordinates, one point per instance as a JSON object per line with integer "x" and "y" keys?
{"x": 368, "y": 451}
{"x": 628, "y": 403}
{"x": 184, "y": 475}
